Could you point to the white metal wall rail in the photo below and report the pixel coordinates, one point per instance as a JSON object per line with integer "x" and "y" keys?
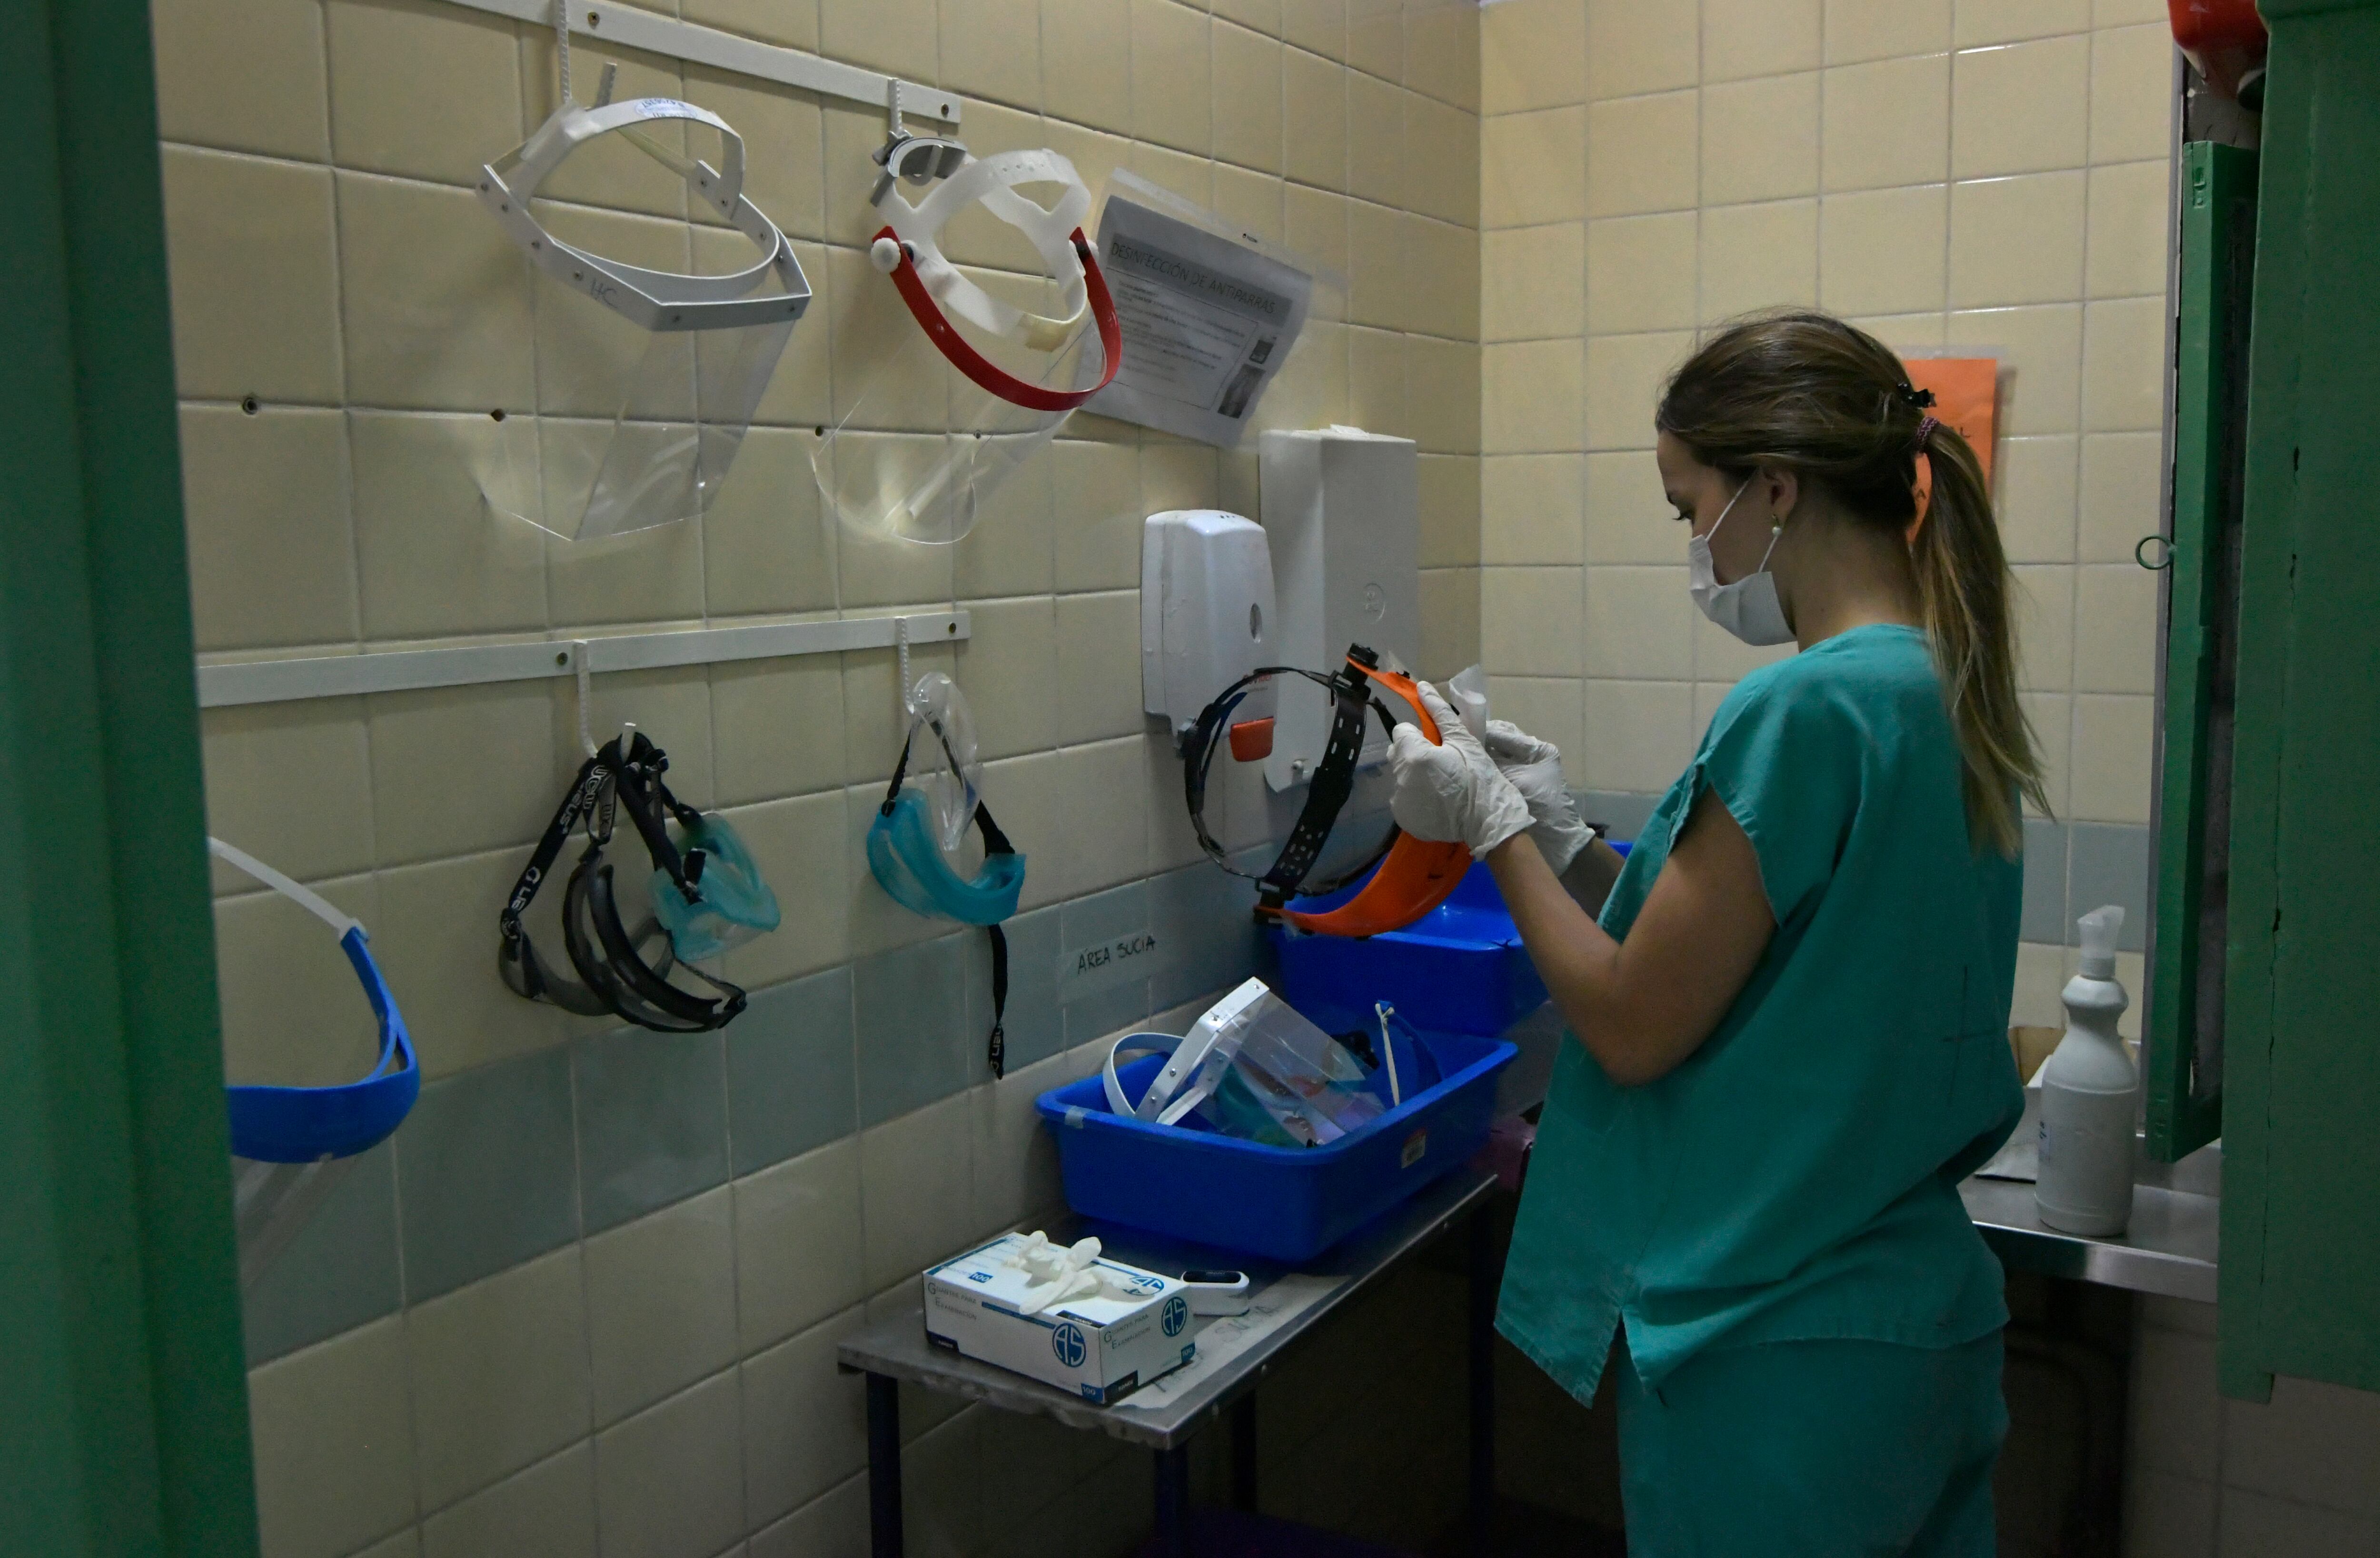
{"x": 397, "y": 671}
{"x": 697, "y": 45}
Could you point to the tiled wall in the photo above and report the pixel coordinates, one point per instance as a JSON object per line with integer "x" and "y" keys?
{"x": 596, "y": 1281}
{"x": 1959, "y": 173}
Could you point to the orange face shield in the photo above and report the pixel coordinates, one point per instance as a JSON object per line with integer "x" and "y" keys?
{"x": 1414, "y": 877}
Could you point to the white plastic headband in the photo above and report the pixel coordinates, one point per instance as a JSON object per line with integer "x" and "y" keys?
{"x": 305, "y": 898}
{"x": 991, "y": 180}
{"x": 652, "y": 299}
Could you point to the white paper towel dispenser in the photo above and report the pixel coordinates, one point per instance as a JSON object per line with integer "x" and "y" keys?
{"x": 1342, "y": 510}
{"x": 1205, "y": 615}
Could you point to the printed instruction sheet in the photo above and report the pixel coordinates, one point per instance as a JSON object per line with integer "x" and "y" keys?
{"x": 1207, "y": 324}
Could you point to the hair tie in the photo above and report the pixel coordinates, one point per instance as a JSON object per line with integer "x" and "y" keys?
{"x": 1924, "y": 432}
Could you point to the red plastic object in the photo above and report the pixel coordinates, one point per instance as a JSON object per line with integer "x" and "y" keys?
{"x": 1252, "y": 740}
{"x": 983, "y": 369}
{"x": 2225, "y": 39}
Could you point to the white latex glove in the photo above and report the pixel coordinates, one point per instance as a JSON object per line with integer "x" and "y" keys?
{"x": 1535, "y": 768}
{"x": 1451, "y": 792}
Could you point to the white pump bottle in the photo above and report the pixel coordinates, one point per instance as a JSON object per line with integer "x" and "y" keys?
{"x": 2089, "y": 1096}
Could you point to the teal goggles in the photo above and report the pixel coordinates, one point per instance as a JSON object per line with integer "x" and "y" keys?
{"x": 736, "y": 905}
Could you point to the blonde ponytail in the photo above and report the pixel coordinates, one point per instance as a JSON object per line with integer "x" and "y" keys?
{"x": 1807, "y": 393}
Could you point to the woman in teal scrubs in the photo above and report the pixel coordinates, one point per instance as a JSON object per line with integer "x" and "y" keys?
{"x": 1792, "y": 1001}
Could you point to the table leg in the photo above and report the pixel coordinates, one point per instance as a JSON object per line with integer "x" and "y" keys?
{"x": 1483, "y": 1378}
{"x": 1243, "y": 1452}
{"x": 1173, "y": 1501}
{"x": 884, "y": 1467}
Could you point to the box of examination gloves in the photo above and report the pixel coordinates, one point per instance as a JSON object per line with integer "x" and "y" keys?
{"x": 1118, "y": 1327}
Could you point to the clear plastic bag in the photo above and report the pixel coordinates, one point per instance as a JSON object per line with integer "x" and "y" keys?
{"x": 1282, "y": 1081}
{"x": 944, "y": 763}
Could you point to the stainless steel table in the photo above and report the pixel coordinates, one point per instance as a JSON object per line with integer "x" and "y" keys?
{"x": 2169, "y": 1248}
{"x": 896, "y": 1349}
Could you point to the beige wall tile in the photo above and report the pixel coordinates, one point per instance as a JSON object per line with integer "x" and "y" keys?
{"x": 1639, "y": 735}
{"x": 1442, "y": 277}
{"x": 1858, "y": 29}
{"x": 2115, "y": 628}
{"x": 2042, "y": 605}
{"x": 499, "y": 1374}
{"x": 1319, "y": 26}
{"x": 991, "y": 49}
{"x": 1641, "y": 46}
{"x": 895, "y": 36}
{"x": 1639, "y": 623}
{"x": 915, "y": 1188}
{"x": 661, "y": 1303}
{"x": 1016, "y": 1159}
{"x": 1745, "y": 38}
{"x": 545, "y": 1512}
{"x": 240, "y": 75}
{"x": 292, "y": 777}
{"x": 2033, "y": 490}
{"x": 1904, "y": 333}
{"x": 436, "y": 299}
{"x": 779, "y": 728}
{"x": 1084, "y": 43}
{"x": 766, "y": 545}
{"x": 264, "y": 502}
{"x": 1104, "y": 796}
{"x": 2051, "y": 715}
{"x": 1708, "y": 695}
{"x": 2131, "y": 93}
{"x": 2016, "y": 240}
{"x": 797, "y": 1243}
{"x": 793, "y": 26}
{"x": 1251, "y": 202}
{"x": 433, "y": 942}
{"x": 670, "y": 1481}
{"x": 797, "y": 840}
{"x": 2130, "y": 219}
{"x": 1443, "y": 394}
{"x": 1760, "y": 139}
{"x": 1530, "y": 397}
{"x": 1313, "y": 118}
{"x": 1010, "y": 669}
{"x": 2123, "y": 365}
{"x": 2001, "y": 21}
{"x": 1623, "y": 381}
{"x": 1759, "y": 256}
{"x": 1442, "y": 53}
{"x": 2020, "y": 108}
{"x": 1548, "y": 708}
{"x": 790, "y": 188}
{"x": 2112, "y": 742}
{"x": 1450, "y": 511}
{"x": 1449, "y": 620}
{"x": 1628, "y": 517}
{"x": 1099, "y": 686}
{"x": 273, "y": 958}
{"x": 1721, "y": 657}
{"x": 1529, "y": 621}
{"x": 805, "y": 1424}
{"x": 1888, "y": 123}
{"x": 2115, "y": 13}
{"x": 650, "y": 575}
{"x": 1375, "y": 381}
{"x": 254, "y": 294}
{"x": 1640, "y": 272}
{"x": 427, "y": 811}
{"x": 1441, "y": 157}
{"x": 1376, "y": 141}
{"x": 333, "y": 1456}
{"x": 1099, "y": 515}
{"x": 1531, "y": 509}
{"x": 435, "y": 557}
{"x": 387, "y": 61}
{"x": 1533, "y": 168}
{"x": 1641, "y": 154}
{"x": 1375, "y": 38}
{"x": 606, "y": 172}
{"x": 1171, "y": 97}
{"x": 1532, "y": 55}
{"x": 2041, "y": 361}
{"x": 1533, "y": 283}
{"x": 2122, "y": 483}
{"x": 1247, "y": 97}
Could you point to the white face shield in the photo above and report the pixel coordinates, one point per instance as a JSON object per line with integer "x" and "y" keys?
{"x": 917, "y": 454}
{"x": 648, "y": 378}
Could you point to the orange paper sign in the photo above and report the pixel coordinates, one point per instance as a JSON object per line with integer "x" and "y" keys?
{"x": 1966, "y": 395}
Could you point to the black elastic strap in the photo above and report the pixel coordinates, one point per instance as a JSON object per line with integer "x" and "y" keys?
{"x": 999, "y": 1000}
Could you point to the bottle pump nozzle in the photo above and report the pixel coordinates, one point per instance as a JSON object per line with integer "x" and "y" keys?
{"x": 2100, "y": 928}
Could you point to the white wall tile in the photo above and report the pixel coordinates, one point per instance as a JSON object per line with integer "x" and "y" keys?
{"x": 334, "y": 1450}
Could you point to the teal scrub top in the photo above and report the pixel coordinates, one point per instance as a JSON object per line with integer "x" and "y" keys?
{"x": 1796, "y": 1178}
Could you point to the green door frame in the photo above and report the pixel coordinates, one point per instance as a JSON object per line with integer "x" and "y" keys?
{"x": 124, "y": 1424}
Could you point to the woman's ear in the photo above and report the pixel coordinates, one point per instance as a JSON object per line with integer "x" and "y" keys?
{"x": 1782, "y": 488}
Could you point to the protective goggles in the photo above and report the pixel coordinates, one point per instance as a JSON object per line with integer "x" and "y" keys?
{"x": 1414, "y": 877}
{"x": 736, "y": 905}
{"x": 906, "y": 859}
{"x": 302, "y": 1124}
{"x": 615, "y": 979}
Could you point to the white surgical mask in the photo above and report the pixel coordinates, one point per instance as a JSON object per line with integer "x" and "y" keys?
{"x": 1747, "y": 608}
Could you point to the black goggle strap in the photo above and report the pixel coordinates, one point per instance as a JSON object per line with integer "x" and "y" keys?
{"x": 999, "y": 1047}
{"x": 995, "y": 843}
{"x": 648, "y": 801}
{"x": 587, "y": 791}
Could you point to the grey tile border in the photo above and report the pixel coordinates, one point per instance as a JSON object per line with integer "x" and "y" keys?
{"x": 1033, "y": 1027}
{"x": 792, "y": 1080}
{"x": 2112, "y": 865}
{"x": 485, "y": 1168}
{"x": 652, "y": 1120}
{"x": 339, "y": 1272}
{"x": 910, "y": 1015}
{"x": 1205, "y": 921}
{"x": 2045, "y": 918}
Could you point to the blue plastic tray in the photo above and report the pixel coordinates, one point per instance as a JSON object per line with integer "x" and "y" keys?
{"x": 1459, "y": 969}
{"x": 1285, "y": 1203}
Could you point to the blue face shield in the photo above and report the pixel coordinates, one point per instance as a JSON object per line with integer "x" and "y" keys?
{"x": 302, "y": 1124}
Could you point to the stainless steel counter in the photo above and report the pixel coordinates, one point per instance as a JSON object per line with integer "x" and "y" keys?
{"x": 2169, "y": 1249}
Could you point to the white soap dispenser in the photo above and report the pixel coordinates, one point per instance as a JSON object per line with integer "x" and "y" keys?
{"x": 2089, "y": 1098}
